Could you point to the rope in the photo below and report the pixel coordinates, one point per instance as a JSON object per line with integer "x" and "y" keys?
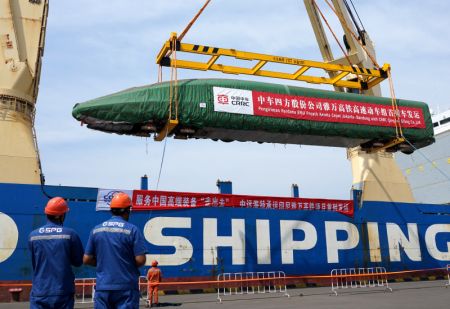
{"x": 397, "y": 121}
{"x": 38, "y": 154}
{"x": 344, "y": 24}
{"x": 332, "y": 32}
{"x": 262, "y": 279}
{"x": 188, "y": 27}
{"x": 193, "y": 20}
{"x": 336, "y": 39}
{"x": 162, "y": 162}
{"x": 160, "y": 77}
{"x": 173, "y": 90}
{"x": 396, "y": 112}
{"x": 427, "y": 159}
{"x": 173, "y": 86}
{"x": 174, "y": 73}
{"x": 170, "y": 92}
{"x": 175, "y": 76}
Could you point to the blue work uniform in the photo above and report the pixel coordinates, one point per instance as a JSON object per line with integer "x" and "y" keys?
{"x": 115, "y": 244}
{"x": 54, "y": 249}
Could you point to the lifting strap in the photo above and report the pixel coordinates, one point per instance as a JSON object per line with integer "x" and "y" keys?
{"x": 172, "y": 120}
{"x": 399, "y": 138}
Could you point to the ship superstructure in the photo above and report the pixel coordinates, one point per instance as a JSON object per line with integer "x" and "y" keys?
{"x": 428, "y": 170}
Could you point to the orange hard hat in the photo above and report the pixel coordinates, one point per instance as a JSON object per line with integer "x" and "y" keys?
{"x": 120, "y": 200}
{"x": 57, "y": 206}
{"x": 154, "y": 263}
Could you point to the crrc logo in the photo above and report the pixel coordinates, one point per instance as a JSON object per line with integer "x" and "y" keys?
{"x": 222, "y": 99}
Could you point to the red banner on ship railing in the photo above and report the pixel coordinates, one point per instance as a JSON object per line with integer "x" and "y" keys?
{"x": 166, "y": 200}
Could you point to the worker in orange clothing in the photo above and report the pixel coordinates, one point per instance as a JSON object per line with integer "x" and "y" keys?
{"x": 154, "y": 277}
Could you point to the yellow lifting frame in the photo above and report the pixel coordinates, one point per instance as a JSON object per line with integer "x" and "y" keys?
{"x": 367, "y": 77}
{"x": 168, "y": 128}
{"x": 392, "y": 143}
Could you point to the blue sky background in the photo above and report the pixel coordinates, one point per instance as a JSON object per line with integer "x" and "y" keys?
{"x": 94, "y": 48}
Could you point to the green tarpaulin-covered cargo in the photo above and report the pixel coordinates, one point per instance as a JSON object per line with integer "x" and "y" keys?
{"x": 236, "y": 110}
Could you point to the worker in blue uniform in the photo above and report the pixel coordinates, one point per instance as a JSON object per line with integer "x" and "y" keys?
{"x": 117, "y": 248}
{"x": 54, "y": 250}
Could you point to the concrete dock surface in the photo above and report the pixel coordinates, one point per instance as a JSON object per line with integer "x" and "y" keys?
{"x": 405, "y": 295}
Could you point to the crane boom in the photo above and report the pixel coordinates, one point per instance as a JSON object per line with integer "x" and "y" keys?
{"x": 376, "y": 174}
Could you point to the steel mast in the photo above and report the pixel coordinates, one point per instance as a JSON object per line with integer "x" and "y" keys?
{"x": 22, "y": 37}
{"x": 376, "y": 174}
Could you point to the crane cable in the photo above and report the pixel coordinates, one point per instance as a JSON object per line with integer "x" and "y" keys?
{"x": 173, "y": 84}
{"x": 344, "y": 24}
{"x": 443, "y": 173}
{"x": 173, "y": 96}
{"x": 193, "y": 20}
{"x": 357, "y": 15}
{"x": 173, "y": 89}
{"x": 162, "y": 160}
{"x": 336, "y": 39}
{"x": 397, "y": 121}
{"x": 332, "y": 32}
{"x": 396, "y": 112}
{"x": 395, "y": 108}
{"x": 358, "y": 28}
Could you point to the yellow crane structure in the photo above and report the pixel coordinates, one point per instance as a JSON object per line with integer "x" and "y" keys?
{"x": 369, "y": 77}
{"x": 22, "y": 37}
{"x": 375, "y": 172}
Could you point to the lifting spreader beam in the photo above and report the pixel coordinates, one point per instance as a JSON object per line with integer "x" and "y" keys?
{"x": 367, "y": 78}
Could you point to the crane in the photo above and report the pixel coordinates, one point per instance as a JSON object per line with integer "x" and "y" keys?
{"x": 22, "y": 36}
{"x": 374, "y": 172}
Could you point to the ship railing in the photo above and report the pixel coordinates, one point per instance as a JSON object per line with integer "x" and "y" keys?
{"x": 251, "y": 283}
{"x": 448, "y": 275}
{"x": 344, "y": 278}
{"x": 84, "y": 290}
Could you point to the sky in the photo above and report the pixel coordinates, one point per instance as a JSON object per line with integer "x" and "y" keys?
{"x": 95, "y": 48}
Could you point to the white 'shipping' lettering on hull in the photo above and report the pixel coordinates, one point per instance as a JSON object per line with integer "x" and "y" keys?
{"x": 290, "y": 241}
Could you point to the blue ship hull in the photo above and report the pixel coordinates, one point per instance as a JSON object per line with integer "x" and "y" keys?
{"x": 203, "y": 242}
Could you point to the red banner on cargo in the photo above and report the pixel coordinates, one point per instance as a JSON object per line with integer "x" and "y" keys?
{"x": 166, "y": 200}
{"x": 333, "y": 110}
